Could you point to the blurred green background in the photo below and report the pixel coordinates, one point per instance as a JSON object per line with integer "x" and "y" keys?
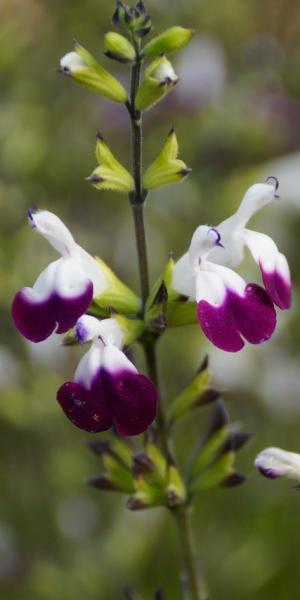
{"x": 237, "y": 114}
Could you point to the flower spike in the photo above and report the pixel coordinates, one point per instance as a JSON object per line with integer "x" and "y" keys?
{"x": 228, "y": 309}
{"x": 107, "y": 389}
{"x": 64, "y": 290}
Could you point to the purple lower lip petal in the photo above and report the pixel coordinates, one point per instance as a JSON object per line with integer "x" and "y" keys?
{"x": 87, "y": 409}
{"x": 278, "y": 288}
{"x": 134, "y": 401}
{"x": 251, "y": 316}
{"x": 37, "y": 320}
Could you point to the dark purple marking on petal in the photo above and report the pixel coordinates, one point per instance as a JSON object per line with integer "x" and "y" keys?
{"x": 87, "y": 409}
{"x": 219, "y": 325}
{"x": 133, "y": 399}
{"x": 278, "y": 288}
{"x": 252, "y": 316}
{"x": 38, "y": 320}
{"x": 68, "y": 310}
{"x": 267, "y": 472}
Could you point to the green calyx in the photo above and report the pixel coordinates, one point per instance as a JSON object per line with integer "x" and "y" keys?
{"x": 169, "y": 41}
{"x": 166, "y": 168}
{"x": 110, "y": 174}
{"x": 159, "y": 80}
{"x": 119, "y": 48}
{"x": 84, "y": 68}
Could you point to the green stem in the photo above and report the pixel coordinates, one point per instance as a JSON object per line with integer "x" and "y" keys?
{"x": 137, "y": 198}
{"x": 192, "y": 581}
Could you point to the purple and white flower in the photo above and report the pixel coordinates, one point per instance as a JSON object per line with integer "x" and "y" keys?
{"x": 229, "y": 310}
{"x": 107, "y": 389}
{"x": 272, "y": 263}
{"x": 64, "y": 290}
{"x": 275, "y": 462}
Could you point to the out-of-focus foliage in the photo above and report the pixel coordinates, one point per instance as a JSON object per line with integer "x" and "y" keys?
{"x": 237, "y": 115}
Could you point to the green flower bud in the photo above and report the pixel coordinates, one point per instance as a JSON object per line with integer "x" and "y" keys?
{"x": 167, "y": 42}
{"x": 83, "y": 67}
{"x": 119, "y": 48}
{"x": 166, "y": 168}
{"x": 110, "y": 175}
{"x": 198, "y": 393}
{"x": 176, "y": 490}
{"x": 159, "y": 79}
{"x": 134, "y": 19}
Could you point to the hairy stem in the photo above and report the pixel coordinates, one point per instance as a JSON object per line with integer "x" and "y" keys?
{"x": 194, "y": 584}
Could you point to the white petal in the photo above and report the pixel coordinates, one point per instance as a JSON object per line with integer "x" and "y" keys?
{"x": 72, "y": 62}
{"x": 70, "y": 279}
{"x": 256, "y": 197}
{"x": 183, "y": 277}
{"x": 53, "y": 230}
{"x": 262, "y": 248}
{"x": 204, "y": 240}
{"x": 114, "y": 360}
{"x": 89, "y": 366}
{"x": 213, "y": 280}
{"x": 45, "y": 283}
{"x": 165, "y": 71}
{"x": 109, "y": 330}
{"x": 209, "y": 287}
{"x": 277, "y": 462}
{"x": 93, "y": 271}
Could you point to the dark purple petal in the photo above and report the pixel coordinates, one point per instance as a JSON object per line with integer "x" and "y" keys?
{"x": 134, "y": 401}
{"x": 278, "y": 288}
{"x": 68, "y": 310}
{"x": 219, "y": 325}
{"x": 87, "y": 409}
{"x": 36, "y": 320}
{"x": 268, "y": 472}
{"x": 254, "y": 314}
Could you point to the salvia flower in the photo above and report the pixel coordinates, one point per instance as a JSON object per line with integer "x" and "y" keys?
{"x": 64, "y": 290}
{"x": 273, "y": 265}
{"x": 275, "y": 462}
{"x": 228, "y": 308}
{"x": 107, "y": 389}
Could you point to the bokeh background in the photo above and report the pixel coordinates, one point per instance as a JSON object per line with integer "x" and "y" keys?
{"x": 237, "y": 114}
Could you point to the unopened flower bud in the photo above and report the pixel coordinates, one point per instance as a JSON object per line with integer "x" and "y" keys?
{"x": 83, "y": 67}
{"x": 167, "y": 42}
{"x": 118, "y": 47}
{"x": 160, "y": 78}
{"x": 275, "y": 462}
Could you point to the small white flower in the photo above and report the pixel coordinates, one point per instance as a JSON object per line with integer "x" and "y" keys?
{"x": 72, "y": 62}
{"x": 275, "y": 462}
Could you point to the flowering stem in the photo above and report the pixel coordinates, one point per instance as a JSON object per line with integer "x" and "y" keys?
{"x": 194, "y": 584}
{"x": 192, "y": 581}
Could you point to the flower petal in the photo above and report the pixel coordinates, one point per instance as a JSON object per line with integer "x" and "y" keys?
{"x": 228, "y": 310}
{"x": 273, "y": 265}
{"x": 275, "y": 462}
{"x": 60, "y": 295}
{"x": 133, "y": 396}
{"x": 87, "y": 409}
{"x": 53, "y": 230}
{"x": 183, "y": 277}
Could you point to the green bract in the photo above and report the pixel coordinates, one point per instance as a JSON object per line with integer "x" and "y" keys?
{"x": 159, "y": 79}
{"x": 85, "y": 69}
{"x": 167, "y": 42}
{"x": 166, "y": 168}
{"x": 110, "y": 175}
